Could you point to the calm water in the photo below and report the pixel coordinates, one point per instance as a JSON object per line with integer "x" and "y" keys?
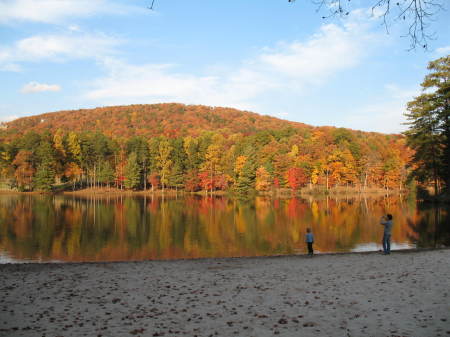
{"x": 74, "y": 228}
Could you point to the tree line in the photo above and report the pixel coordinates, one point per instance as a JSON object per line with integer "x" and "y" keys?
{"x": 265, "y": 160}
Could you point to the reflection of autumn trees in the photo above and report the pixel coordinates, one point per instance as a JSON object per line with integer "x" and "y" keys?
{"x": 135, "y": 228}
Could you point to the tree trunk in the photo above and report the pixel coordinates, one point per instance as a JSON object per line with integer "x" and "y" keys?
{"x": 145, "y": 178}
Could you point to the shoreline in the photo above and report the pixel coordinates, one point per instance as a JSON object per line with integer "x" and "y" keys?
{"x": 282, "y": 193}
{"x": 278, "y": 192}
{"x": 212, "y": 259}
{"x": 343, "y": 294}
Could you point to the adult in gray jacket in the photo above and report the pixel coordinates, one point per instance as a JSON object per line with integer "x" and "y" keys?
{"x": 386, "y": 221}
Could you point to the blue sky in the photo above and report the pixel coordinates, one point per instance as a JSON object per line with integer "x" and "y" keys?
{"x": 271, "y": 57}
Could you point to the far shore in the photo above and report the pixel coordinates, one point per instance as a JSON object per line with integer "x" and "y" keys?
{"x": 359, "y": 294}
{"x": 277, "y": 193}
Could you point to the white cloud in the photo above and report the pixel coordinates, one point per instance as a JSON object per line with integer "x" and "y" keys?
{"x": 443, "y": 51}
{"x": 33, "y": 87}
{"x": 57, "y": 48}
{"x": 405, "y": 94}
{"x": 386, "y": 115}
{"x": 292, "y": 67}
{"x": 333, "y": 49}
{"x": 8, "y": 118}
{"x": 74, "y": 28}
{"x": 59, "y": 11}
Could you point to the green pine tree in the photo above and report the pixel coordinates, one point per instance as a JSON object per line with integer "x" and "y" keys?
{"x": 246, "y": 180}
{"x": 105, "y": 173}
{"x": 429, "y": 131}
{"x": 176, "y": 177}
{"x": 44, "y": 178}
{"x": 132, "y": 172}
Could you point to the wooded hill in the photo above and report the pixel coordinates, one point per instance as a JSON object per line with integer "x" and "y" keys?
{"x": 193, "y": 147}
{"x": 152, "y": 120}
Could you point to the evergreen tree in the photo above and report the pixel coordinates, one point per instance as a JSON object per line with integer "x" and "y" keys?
{"x": 246, "y": 180}
{"x": 44, "y": 178}
{"x": 176, "y": 177}
{"x": 139, "y": 145}
{"x": 178, "y": 155}
{"x": 132, "y": 172}
{"x": 105, "y": 173}
{"x": 164, "y": 163}
{"x": 439, "y": 79}
{"x": 429, "y": 131}
{"x": 46, "y": 155}
{"x": 190, "y": 146}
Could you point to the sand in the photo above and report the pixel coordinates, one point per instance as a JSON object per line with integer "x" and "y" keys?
{"x": 402, "y": 294}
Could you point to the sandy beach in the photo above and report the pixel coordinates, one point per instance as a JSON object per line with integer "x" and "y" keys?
{"x": 359, "y": 294}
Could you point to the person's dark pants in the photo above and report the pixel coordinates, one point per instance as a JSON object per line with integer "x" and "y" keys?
{"x": 310, "y": 248}
{"x": 387, "y": 243}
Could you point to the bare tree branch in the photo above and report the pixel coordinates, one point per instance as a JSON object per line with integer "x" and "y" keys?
{"x": 417, "y": 15}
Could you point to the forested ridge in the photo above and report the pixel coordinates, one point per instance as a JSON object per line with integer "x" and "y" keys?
{"x": 193, "y": 147}
{"x": 151, "y": 120}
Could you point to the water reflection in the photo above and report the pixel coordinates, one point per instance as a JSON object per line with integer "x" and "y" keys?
{"x": 432, "y": 228}
{"x": 74, "y": 228}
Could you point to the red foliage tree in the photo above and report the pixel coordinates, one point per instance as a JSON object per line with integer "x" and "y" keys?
{"x": 296, "y": 178}
{"x": 192, "y": 181}
{"x": 153, "y": 179}
{"x": 216, "y": 182}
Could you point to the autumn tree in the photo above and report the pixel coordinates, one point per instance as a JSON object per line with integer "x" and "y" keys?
{"x": 24, "y": 171}
{"x": 212, "y": 161}
{"x": 74, "y": 147}
{"x": 192, "y": 181}
{"x": 263, "y": 180}
{"x": 73, "y": 173}
{"x": 296, "y": 178}
{"x": 239, "y": 166}
{"x": 153, "y": 180}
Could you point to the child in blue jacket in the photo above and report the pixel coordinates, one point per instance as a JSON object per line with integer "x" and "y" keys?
{"x": 309, "y": 241}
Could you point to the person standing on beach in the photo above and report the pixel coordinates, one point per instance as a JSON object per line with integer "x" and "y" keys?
{"x": 309, "y": 241}
{"x": 386, "y": 221}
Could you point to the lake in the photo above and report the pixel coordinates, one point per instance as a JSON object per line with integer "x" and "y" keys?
{"x": 49, "y": 228}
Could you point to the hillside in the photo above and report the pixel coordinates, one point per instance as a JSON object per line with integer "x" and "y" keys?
{"x": 193, "y": 147}
{"x": 173, "y": 120}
